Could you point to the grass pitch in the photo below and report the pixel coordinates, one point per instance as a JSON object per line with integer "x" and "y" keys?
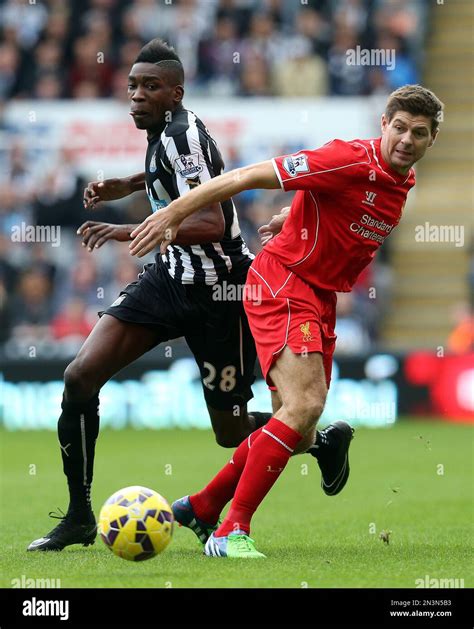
{"x": 414, "y": 479}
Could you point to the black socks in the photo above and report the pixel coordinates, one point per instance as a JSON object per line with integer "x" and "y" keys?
{"x": 78, "y": 428}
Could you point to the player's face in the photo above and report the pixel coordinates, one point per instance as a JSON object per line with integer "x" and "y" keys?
{"x": 151, "y": 95}
{"x": 405, "y": 139}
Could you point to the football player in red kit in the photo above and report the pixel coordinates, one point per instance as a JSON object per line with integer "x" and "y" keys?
{"x": 350, "y": 196}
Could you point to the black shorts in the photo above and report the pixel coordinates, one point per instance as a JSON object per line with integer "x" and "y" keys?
{"x": 216, "y": 329}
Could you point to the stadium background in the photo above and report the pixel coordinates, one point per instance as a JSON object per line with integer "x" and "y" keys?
{"x": 267, "y": 77}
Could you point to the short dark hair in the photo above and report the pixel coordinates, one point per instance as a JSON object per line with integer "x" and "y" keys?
{"x": 157, "y": 51}
{"x": 416, "y": 100}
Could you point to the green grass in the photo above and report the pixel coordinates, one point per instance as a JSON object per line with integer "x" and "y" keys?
{"x": 310, "y": 540}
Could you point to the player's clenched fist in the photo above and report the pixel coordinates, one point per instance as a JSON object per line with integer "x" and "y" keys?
{"x": 94, "y": 234}
{"x": 107, "y": 190}
{"x": 267, "y": 232}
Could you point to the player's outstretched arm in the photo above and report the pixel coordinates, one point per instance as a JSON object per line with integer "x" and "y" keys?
{"x": 95, "y": 234}
{"x": 207, "y": 225}
{"x": 112, "y": 189}
{"x": 162, "y": 227}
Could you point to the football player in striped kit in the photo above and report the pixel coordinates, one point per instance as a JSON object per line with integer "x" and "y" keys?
{"x": 173, "y": 297}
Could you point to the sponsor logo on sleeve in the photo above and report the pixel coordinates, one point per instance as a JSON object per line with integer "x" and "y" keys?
{"x": 296, "y": 164}
{"x": 188, "y": 166}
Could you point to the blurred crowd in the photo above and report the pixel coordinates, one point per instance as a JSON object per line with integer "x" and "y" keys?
{"x": 84, "y": 48}
{"x": 49, "y": 49}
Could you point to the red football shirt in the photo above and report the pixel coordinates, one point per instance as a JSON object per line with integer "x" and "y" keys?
{"x": 348, "y": 201}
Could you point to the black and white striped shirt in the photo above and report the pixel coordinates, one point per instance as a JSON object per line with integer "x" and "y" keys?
{"x": 178, "y": 159}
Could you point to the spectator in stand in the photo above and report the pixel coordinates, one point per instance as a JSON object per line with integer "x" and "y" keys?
{"x": 151, "y": 19}
{"x": 404, "y": 70}
{"x": 303, "y": 74}
{"x": 275, "y": 9}
{"x": 40, "y": 261}
{"x": 130, "y": 26}
{"x": 377, "y": 81}
{"x": 239, "y": 13}
{"x": 86, "y": 90}
{"x": 344, "y": 79}
{"x": 263, "y": 42}
{"x": 97, "y": 26}
{"x": 59, "y": 197}
{"x": 8, "y": 271}
{"x": 57, "y": 27}
{"x": 46, "y": 61}
{"x": 311, "y": 25}
{"x": 89, "y": 65}
{"x": 461, "y": 338}
{"x": 351, "y": 14}
{"x": 219, "y": 58}
{"x": 26, "y": 19}
{"x": 13, "y": 209}
{"x": 48, "y": 87}
{"x": 72, "y": 322}
{"x": 5, "y": 315}
{"x": 192, "y": 21}
{"x": 9, "y": 69}
{"x": 18, "y": 171}
{"x": 31, "y": 310}
{"x": 82, "y": 281}
{"x": 403, "y": 19}
{"x": 255, "y": 78}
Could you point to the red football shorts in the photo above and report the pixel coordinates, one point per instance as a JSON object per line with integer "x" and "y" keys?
{"x": 283, "y": 310}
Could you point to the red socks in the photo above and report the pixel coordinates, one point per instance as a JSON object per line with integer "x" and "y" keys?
{"x": 265, "y": 462}
{"x": 251, "y": 477}
{"x": 209, "y": 502}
